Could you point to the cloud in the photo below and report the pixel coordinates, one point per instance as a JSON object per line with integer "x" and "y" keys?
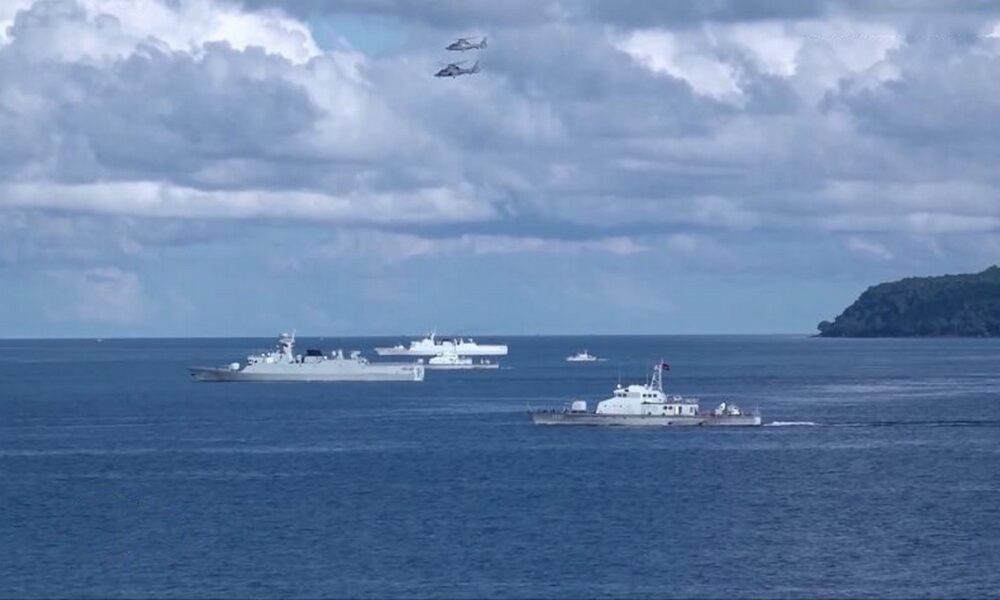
{"x": 102, "y": 294}
{"x": 768, "y": 135}
{"x": 867, "y": 248}
{"x": 151, "y": 199}
{"x": 397, "y": 246}
{"x": 720, "y": 61}
{"x": 106, "y": 30}
{"x": 945, "y": 95}
{"x": 660, "y": 52}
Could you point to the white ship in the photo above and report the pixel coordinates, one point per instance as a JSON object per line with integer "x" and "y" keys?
{"x": 582, "y": 357}
{"x": 282, "y": 364}
{"x": 646, "y": 405}
{"x": 431, "y": 346}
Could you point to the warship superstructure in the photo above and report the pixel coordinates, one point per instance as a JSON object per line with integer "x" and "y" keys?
{"x": 646, "y": 405}
{"x": 432, "y": 346}
{"x": 282, "y": 364}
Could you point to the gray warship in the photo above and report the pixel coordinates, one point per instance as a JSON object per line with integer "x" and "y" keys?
{"x": 646, "y": 405}
{"x": 282, "y": 364}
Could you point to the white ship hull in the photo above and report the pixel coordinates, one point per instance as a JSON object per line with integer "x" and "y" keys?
{"x": 592, "y": 419}
{"x": 461, "y": 367}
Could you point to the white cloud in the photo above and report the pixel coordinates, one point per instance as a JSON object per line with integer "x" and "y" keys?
{"x": 163, "y": 200}
{"x": 867, "y": 248}
{"x": 112, "y": 29}
{"x": 815, "y": 55}
{"x": 662, "y": 52}
{"x": 772, "y": 45}
{"x": 396, "y": 246}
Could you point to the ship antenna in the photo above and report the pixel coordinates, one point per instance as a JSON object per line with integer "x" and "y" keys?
{"x": 656, "y": 382}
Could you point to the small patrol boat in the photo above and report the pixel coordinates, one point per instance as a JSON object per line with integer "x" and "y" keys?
{"x": 582, "y": 357}
{"x": 646, "y": 405}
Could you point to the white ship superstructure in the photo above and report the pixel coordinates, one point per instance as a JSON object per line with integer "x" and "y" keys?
{"x": 432, "y": 346}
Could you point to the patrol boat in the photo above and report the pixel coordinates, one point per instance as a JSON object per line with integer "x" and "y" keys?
{"x": 282, "y": 364}
{"x": 582, "y": 357}
{"x": 646, "y": 405}
{"x": 431, "y": 346}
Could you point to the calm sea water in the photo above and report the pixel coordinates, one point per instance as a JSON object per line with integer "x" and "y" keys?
{"x": 880, "y": 475}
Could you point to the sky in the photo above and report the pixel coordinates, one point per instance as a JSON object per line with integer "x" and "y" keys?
{"x": 227, "y": 168}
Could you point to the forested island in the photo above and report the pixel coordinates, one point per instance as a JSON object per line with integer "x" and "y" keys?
{"x": 948, "y": 305}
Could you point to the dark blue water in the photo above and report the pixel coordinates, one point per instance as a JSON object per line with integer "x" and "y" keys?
{"x": 120, "y": 477}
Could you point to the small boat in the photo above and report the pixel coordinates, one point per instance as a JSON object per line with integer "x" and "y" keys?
{"x": 582, "y": 357}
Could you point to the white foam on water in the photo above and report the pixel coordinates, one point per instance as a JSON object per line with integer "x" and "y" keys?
{"x": 790, "y": 424}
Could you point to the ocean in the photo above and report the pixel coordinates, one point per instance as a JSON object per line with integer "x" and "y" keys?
{"x": 877, "y": 474}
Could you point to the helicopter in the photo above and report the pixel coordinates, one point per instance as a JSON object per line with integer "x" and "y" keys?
{"x": 454, "y": 70}
{"x": 463, "y": 44}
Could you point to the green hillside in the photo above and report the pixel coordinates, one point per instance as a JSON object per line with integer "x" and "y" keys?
{"x": 948, "y": 305}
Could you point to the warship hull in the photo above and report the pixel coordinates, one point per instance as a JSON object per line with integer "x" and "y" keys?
{"x": 593, "y": 419}
{"x": 303, "y": 373}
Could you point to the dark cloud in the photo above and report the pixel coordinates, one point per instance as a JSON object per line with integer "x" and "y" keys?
{"x": 447, "y": 14}
{"x": 486, "y": 14}
{"x": 945, "y": 94}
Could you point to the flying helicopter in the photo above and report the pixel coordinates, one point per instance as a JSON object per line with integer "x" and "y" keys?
{"x": 454, "y": 70}
{"x": 463, "y": 44}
